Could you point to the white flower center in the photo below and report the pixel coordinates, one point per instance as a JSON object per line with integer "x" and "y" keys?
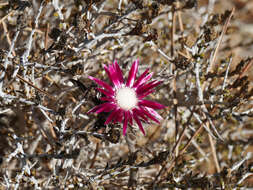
{"x": 126, "y": 98}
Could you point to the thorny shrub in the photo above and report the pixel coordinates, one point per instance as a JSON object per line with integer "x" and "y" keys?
{"x": 199, "y": 49}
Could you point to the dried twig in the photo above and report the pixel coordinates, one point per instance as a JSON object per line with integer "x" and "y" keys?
{"x": 224, "y": 29}
{"x": 42, "y": 91}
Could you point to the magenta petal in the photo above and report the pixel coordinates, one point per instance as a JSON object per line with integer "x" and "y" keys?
{"x": 143, "y": 79}
{"x": 125, "y": 123}
{"x": 119, "y": 116}
{"x": 154, "y": 113}
{"x": 142, "y": 89}
{"x": 139, "y": 123}
{"x": 130, "y": 117}
{"x": 115, "y": 74}
{"x": 144, "y": 94}
{"x": 132, "y": 73}
{"x": 139, "y": 113}
{"x": 94, "y": 109}
{"x": 102, "y": 83}
{"x": 112, "y": 73}
{"x": 149, "y": 115}
{"x": 107, "y": 99}
{"x": 118, "y": 71}
{"x": 151, "y": 104}
{"x": 105, "y": 92}
{"x": 138, "y": 81}
{"x": 109, "y": 72}
{"x": 106, "y": 107}
{"x": 112, "y": 116}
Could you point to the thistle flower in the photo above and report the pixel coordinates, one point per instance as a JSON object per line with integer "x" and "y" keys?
{"x": 125, "y": 100}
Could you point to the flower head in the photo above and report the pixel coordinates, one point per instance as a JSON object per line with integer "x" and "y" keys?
{"x": 125, "y": 99}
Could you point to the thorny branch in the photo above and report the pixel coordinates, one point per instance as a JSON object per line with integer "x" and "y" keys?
{"x": 49, "y": 48}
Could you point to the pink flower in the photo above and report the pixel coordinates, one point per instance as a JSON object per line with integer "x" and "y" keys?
{"x": 125, "y": 100}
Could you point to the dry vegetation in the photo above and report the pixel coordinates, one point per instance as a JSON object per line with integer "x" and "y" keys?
{"x": 201, "y": 50}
